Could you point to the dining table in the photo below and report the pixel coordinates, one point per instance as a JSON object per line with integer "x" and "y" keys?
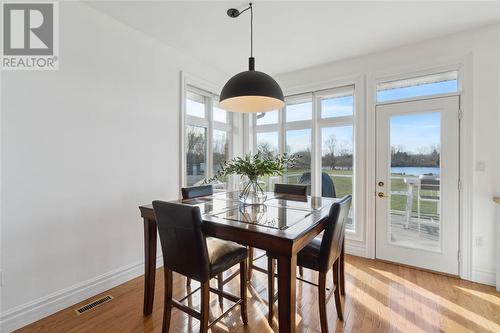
{"x": 282, "y": 225}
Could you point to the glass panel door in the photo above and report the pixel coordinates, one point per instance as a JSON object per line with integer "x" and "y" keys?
{"x": 417, "y": 183}
{"x": 415, "y": 142}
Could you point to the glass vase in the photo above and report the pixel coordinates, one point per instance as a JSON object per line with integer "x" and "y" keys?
{"x": 252, "y": 191}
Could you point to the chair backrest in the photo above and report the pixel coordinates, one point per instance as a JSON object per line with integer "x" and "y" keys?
{"x": 290, "y": 189}
{"x": 333, "y": 236}
{"x": 429, "y": 182}
{"x": 182, "y": 239}
{"x": 327, "y": 185}
{"x": 196, "y": 191}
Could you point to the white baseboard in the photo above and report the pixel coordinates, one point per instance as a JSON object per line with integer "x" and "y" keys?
{"x": 30, "y": 312}
{"x": 356, "y": 249}
{"x": 484, "y": 277}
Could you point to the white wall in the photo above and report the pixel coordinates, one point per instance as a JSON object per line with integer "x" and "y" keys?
{"x": 82, "y": 147}
{"x": 479, "y": 52}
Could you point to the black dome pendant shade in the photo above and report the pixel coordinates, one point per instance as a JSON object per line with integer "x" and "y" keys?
{"x": 251, "y": 91}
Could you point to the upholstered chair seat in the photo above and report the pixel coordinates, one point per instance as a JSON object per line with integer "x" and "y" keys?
{"x": 223, "y": 254}
{"x": 308, "y": 257}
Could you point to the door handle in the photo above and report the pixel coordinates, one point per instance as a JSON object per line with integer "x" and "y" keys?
{"x": 382, "y": 195}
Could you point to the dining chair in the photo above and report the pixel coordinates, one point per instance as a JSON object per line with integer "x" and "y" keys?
{"x": 196, "y": 192}
{"x": 290, "y": 189}
{"x": 181, "y": 235}
{"x": 320, "y": 255}
{"x": 327, "y": 185}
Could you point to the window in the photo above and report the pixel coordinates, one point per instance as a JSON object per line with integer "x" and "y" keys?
{"x": 337, "y": 145}
{"x": 331, "y": 165}
{"x": 195, "y": 105}
{"x": 267, "y": 140}
{"x": 297, "y": 110}
{"x": 208, "y": 136}
{"x": 268, "y": 118}
{"x": 298, "y": 142}
{"x": 339, "y": 106}
{"x": 196, "y": 154}
{"x": 219, "y": 114}
{"x": 220, "y": 149}
{"x": 435, "y": 84}
{"x": 298, "y": 137}
{"x": 337, "y": 162}
{"x": 268, "y": 143}
{"x": 268, "y": 146}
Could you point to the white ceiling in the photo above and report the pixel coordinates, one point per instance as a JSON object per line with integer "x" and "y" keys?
{"x": 297, "y": 34}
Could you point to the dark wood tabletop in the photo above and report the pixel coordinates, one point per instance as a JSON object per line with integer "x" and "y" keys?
{"x": 281, "y": 226}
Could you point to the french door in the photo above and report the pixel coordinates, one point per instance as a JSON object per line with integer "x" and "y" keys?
{"x": 417, "y": 193}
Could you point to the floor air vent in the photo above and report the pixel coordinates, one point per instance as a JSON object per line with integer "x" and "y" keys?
{"x": 96, "y": 303}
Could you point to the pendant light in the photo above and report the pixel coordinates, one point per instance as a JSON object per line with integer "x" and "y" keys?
{"x": 250, "y": 91}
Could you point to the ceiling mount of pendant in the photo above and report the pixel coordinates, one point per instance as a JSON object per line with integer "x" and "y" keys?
{"x": 250, "y": 91}
{"x": 233, "y": 12}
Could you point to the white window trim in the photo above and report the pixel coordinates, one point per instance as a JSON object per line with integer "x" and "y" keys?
{"x": 206, "y": 89}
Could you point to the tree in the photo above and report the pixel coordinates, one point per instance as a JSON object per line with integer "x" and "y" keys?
{"x": 421, "y": 157}
{"x": 304, "y": 161}
{"x": 331, "y": 146}
{"x": 266, "y": 150}
{"x": 196, "y": 147}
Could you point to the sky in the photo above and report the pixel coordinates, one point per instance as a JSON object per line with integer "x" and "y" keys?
{"x": 415, "y": 132}
{"x": 416, "y": 91}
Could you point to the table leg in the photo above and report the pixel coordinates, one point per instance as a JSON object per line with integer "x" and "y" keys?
{"x": 286, "y": 293}
{"x": 149, "y": 265}
{"x": 342, "y": 272}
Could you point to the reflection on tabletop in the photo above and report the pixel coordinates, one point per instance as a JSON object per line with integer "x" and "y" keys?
{"x": 278, "y": 212}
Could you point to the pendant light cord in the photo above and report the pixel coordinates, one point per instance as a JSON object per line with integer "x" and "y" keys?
{"x": 233, "y": 12}
{"x": 251, "y": 25}
{"x": 251, "y": 30}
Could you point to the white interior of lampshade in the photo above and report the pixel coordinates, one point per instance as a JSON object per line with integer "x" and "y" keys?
{"x": 251, "y": 104}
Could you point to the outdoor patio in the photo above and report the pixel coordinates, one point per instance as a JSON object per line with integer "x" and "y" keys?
{"x": 427, "y": 237}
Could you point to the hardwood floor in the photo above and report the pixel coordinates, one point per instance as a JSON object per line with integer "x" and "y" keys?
{"x": 380, "y": 297}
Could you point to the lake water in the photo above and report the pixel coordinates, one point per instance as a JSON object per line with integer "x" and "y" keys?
{"x": 416, "y": 171}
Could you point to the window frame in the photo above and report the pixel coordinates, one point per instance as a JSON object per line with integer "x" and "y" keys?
{"x": 353, "y": 86}
{"x": 204, "y": 89}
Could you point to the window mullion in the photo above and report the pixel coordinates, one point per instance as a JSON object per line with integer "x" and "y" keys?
{"x": 281, "y": 134}
{"x": 316, "y": 148}
{"x": 210, "y": 136}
